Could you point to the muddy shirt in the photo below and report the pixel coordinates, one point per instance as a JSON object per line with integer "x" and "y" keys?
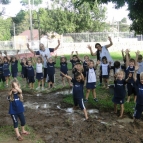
{"x": 77, "y": 89}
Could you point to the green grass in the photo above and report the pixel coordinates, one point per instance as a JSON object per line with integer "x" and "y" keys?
{"x": 105, "y": 101}
{"x": 7, "y": 135}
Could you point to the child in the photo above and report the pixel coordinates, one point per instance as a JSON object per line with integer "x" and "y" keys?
{"x": 117, "y": 66}
{"x": 91, "y": 80}
{"x": 78, "y": 94}
{"x": 130, "y": 68}
{"x": 105, "y": 69}
{"x": 64, "y": 69}
{"x": 119, "y": 92}
{"x": 39, "y": 72}
{"x": 6, "y": 71}
{"x": 14, "y": 65}
{"x": 30, "y": 74}
{"x": 140, "y": 64}
{"x": 2, "y": 78}
{"x": 85, "y": 64}
{"x": 51, "y": 71}
{"x": 139, "y": 101}
{"x": 24, "y": 65}
{"x": 16, "y": 108}
{"x": 74, "y": 59}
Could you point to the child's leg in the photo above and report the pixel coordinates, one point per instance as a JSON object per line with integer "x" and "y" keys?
{"x": 115, "y": 108}
{"x": 6, "y": 80}
{"x": 49, "y": 84}
{"x": 63, "y": 80}
{"x": 121, "y": 110}
{"x": 94, "y": 93}
{"x": 104, "y": 82}
{"x": 69, "y": 82}
{"x": 128, "y": 99}
{"x": 107, "y": 83}
{"x": 42, "y": 83}
{"x": 135, "y": 98}
{"x": 32, "y": 85}
{"x": 39, "y": 82}
{"x": 87, "y": 93}
{"x": 85, "y": 113}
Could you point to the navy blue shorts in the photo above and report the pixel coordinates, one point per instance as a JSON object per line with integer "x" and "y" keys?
{"x": 131, "y": 89}
{"x": 31, "y": 79}
{"x": 51, "y": 78}
{"x": 118, "y": 100}
{"x": 138, "y": 77}
{"x": 105, "y": 76}
{"x": 78, "y": 101}
{"x": 45, "y": 72}
{"x": 2, "y": 78}
{"x": 14, "y": 74}
{"x": 91, "y": 85}
{"x": 6, "y": 73}
{"x": 138, "y": 111}
{"x": 39, "y": 76}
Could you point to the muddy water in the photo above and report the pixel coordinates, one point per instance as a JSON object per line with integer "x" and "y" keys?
{"x": 57, "y": 122}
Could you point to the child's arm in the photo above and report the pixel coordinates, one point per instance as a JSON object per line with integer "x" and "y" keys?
{"x": 57, "y": 45}
{"x": 136, "y": 60}
{"x": 127, "y": 58}
{"x": 17, "y": 57}
{"x": 91, "y": 52}
{"x": 7, "y": 55}
{"x": 135, "y": 73}
{"x": 78, "y": 56}
{"x": 55, "y": 58}
{"x": 71, "y": 55}
{"x": 34, "y": 61}
{"x": 18, "y": 89}
{"x": 129, "y": 76}
{"x": 123, "y": 54}
{"x": 66, "y": 76}
{"x": 111, "y": 43}
{"x": 97, "y": 63}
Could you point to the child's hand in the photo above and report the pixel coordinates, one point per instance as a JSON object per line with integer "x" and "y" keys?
{"x": 14, "y": 90}
{"x": 76, "y": 52}
{"x": 136, "y": 68}
{"x": 138, "y": 52}
{"x": 72, "y": 52}
{"x": 17, "y": 51}
{"x": 122, "y": 51}
{"x": 127, "y": 51}
{"x": 59, "y": 42}
{"x": 89, "y": 47}
{"x": 109, "y": 38}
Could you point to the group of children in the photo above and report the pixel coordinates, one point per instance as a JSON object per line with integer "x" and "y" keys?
{"x": 127, "y": 77}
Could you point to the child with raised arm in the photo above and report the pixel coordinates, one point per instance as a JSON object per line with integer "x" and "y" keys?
{"x": 74, "y": 59}
{"x": 78, "y": 95}
{"x": 130, "y": 68}
{"x": 6, "y": 71}
{"x": 39, "y": 71}
{"x": 119, "y": 92}
{"x": 105, "y": 70}
{"x": 64, "y": 69}
{"x": 91, "y": 80}
{"x": 16, "y": 109}
{"x": 51, "y": 71}
{"x": 14, "y": 65}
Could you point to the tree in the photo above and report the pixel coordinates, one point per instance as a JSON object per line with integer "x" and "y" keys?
{"x": 134, "y": 7}
{"x": 3, "y": 2}
{"x": 36, "y": 2}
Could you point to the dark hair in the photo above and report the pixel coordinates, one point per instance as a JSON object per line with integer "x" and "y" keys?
{"x": 98, "y": 52}
{"x": 5, "y": 58}
{"x": 75, "y": 56}
{"x": 132, "y": 60}
{"x": 77, "y": 63}
{"x": 117, "y": 64}
{"x": 63, "y": 58}
{"x": 104, "y": 58}
{"x": 77, "y": 74}
{"x": 91, "y": 61}
{"x": 140, "y": 57}
{"x": 12, "y": 58}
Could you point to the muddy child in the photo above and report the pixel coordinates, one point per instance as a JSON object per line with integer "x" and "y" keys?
{"x": 78, "y": 83}
{"x": 16, "y": 109}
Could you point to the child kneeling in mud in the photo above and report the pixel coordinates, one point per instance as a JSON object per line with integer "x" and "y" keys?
{"x": 16, "y": 108}
{"x": 78, "y": 83}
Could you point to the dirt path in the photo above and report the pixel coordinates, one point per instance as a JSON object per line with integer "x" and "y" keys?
{"x": 56, "y": 122}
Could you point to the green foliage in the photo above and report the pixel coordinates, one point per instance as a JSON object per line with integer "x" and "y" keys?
{"x": 5, "y": 1}
{"x": 36, "y": 2}
{"x": 134, "y": 7}
{"x": 5, "y": 25}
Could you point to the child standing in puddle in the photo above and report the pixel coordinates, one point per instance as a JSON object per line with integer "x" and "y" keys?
{"x": 16, "y": 109}
{"x": 78, "y": 83}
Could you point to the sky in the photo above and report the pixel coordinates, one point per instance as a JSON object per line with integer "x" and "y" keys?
{"x": 117, "y": 14}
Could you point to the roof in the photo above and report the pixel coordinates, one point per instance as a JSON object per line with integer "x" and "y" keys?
{"x": 27, "y": 33}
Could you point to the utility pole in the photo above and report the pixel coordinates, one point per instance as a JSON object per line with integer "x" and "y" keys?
{"x": 31, "y": 33}
{"x": 14, "y": 35}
